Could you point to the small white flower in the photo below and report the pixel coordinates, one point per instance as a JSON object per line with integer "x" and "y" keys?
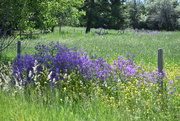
{"x": 30, "y": 74}
{"x": 49, "y": 76}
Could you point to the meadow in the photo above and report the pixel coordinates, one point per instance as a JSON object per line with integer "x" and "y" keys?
{"x": 114, "y": 78}
{"x": 142, "y": 44}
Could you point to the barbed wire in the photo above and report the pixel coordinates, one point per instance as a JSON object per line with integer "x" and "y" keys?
{"x": 24, "y": 45}
{"x": 131, "y": 52}
{"x": 171, "y": 54}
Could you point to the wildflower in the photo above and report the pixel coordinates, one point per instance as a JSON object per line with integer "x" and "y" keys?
{"x": 171, "y": 82}
{"x": 128, "y": 53}
{"x": 170, "y": 93}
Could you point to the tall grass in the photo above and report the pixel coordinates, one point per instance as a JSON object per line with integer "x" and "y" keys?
{"x": 18, "y": 106}
{"x": 127, "y": 103}
{"x": 142, "y": 44}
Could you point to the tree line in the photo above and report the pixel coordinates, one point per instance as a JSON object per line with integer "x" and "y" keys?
{"x": 22, "y": 15}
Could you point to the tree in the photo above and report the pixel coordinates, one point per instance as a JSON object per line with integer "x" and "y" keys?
{"x": 89, "y": 7}
{"x": 163, "y": 14}
{"x": 117, "y": 15}
{"x": 12, "y": 15}
{"x": 66, "y": 12}
{"x": 35, "y": 14}
{"x": 104, "y": 13}
{"x": 136, "y": 11}
{"x": 20, "y": 15}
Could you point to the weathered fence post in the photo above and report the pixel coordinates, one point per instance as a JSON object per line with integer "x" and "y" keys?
{"x": 160, "y": 67}
{"x": 161, "y": 75}
{"x": 18, "y": 48}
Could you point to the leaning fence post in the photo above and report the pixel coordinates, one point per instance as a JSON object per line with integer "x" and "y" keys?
{"x": 18, "y": 48}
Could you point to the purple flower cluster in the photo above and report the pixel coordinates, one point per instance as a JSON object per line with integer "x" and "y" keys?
{"x": 145, "y": 32}
{"x": 59, "y": 60}
{"x": 100, "y": 31}
{"x": 23, "y": 64}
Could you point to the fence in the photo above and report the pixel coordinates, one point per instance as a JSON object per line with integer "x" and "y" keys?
{"x": 95, "y": 31}
{"x": 19, "y": 49}
{"x": 160, "y": 54}
{"x": 102, "y": 31}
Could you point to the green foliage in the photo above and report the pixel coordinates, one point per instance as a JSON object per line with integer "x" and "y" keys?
{"x": 77, "y": 101}
{"x": 37, "y": 14}
{"x": 104, "y": 13}
{"x": 153, "y": 14}
{"x": 163, "y": 14}
{"x": 70, "y": 102}
{"x": 112, "y": 14}
{"x": 136, "y": 10}
{"x": 143, "y": 44}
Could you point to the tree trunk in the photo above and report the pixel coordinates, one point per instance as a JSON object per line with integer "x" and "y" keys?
{"x": 52, "y": 29}
{"x": 88, "y": 26}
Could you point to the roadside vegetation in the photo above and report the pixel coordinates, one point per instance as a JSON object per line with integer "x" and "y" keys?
{"x": 97, "y": 76}
{"x": 89, "y": 60}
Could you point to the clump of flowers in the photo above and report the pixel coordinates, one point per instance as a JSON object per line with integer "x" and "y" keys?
{"x": 100, "y": 31}
{"x": 60, "y": 60}
{"x": 49, "y": 65}
{"x": 62, "y": 75}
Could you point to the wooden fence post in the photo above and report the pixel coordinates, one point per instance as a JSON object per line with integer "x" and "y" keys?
{"x": 19, "y": 48}
{"x": 160, "y": 60}
{"x": 160, "y": 67}
{"x": 161, "y": 75}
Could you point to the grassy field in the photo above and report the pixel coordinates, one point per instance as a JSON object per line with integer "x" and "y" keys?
{"x": 142, "y": 44}
{"x": 21, "y": 107}
{"x": 96, "y": 103}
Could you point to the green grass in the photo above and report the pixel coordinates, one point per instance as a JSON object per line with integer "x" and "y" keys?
{"x": 19, "y": 109}
{"x": 145, "y": 47}
{"x": 22, "y": 107}
{"x": 129, "y": 104}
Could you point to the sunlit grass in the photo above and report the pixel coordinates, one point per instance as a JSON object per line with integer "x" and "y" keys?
{"x": 145, "y": 47}
{"x": 122, "y": 102}
{"x": 130, "y": 101}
